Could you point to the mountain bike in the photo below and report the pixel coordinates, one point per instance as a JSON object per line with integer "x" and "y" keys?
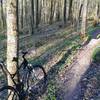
{"x": 29, "y": 75}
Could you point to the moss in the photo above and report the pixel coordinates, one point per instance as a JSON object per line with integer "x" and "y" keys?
{"x": 51, "y": 91}
{"x": 91, "y": 29}
{"x": 89, "y": 37}
{"x": 98, "y": 36}
{"x": 39, "y": 43}
{"x": 96, "y": 55}
{"x": 2, "y": 37}
{"x": 54, "y": 50}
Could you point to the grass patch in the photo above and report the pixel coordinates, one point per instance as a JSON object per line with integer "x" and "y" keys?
{"x": 89, "y": 37}
{"x": 39, "y": 44}
{"x": 51, "y": 90}
{"x": 98, "y": 36}
{"x": 90, "y": 31}
{"x": 2, "y": 37}
{"x": 96, "y": 55}
{"x": 53, "y": 87}
{"x": 54, "y": 50}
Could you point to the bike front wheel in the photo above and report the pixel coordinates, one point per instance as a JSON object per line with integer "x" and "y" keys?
{"x": 36, "y": 76}
{"x": 8, "y": 92}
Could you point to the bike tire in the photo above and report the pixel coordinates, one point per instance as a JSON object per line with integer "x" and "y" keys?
{"x": 35, "y": 75}
{"x": 4, "y": 94}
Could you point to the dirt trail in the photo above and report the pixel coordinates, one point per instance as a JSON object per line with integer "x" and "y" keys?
{"x": 80, "y": 66}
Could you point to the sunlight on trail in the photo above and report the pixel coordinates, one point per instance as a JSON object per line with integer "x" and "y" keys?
{"x": 79, "y": 68}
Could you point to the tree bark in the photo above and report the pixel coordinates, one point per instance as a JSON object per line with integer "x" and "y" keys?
{"x": 37, "y": 13}
{"x": 65, "y": 11}
{"x": 52, "y": 10}
{"x": 26, "y": 13}
{"x": 84, "y": 19}
{"x": 22, "y": 14}
{"x": 96, "y": 17}
{"x": 79, "y": 15}
{"x": 2, "y": 15}
{"x": 32, "y": 9}
{"x": 58, "y": 12}
{"x": 12, "y": 39}
{"x": 70, "y": 10}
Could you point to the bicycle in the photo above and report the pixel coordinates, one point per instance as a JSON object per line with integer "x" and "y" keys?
{"x": 28, "y": 78}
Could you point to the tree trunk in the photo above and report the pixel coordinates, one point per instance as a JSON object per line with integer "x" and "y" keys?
{"x": 84, "y": 19}
{"x": 37, "y": 13}
{"x": 21, "y": 14}
{"x": 79, "y": 15}
{"x": 58, "y": 12}
{"x": 32, "y": 9}
{"x": 2, "y": 15}
{"x": 70, "y": 10}
{"x": 65, "y": 11}
{"x": 26, "y": 13}
{"x": 52, "y": 10}
{"x": 12, "y": 39}
{"x": 96, "y": 18}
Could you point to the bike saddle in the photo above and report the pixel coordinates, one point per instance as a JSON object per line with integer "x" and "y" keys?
{"x": 24, "y": 52}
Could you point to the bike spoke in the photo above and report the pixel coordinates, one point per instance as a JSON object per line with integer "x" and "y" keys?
{"x": 9, "y": 94}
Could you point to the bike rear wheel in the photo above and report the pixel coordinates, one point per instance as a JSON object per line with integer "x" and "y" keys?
{"x": 36, "y": 76}
{"x": 8, "y": 92}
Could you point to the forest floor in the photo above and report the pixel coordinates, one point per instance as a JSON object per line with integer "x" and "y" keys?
{"x": 67, "y": 64}
{"x": 76, "y": 79}
{"x": 81, "y": 81}
{"x": 60, "y": 51}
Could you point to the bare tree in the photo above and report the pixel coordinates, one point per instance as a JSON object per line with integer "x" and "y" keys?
{"x": 2, "y": 15}
{"x": 52, "y": 10}
{"x": 70, "y": 10}
{"x": 21, "y": 13}
{"x": 84, "y": 18}
{"x": 32, "y": 9}
{"x": 96, "y": 17}
{"x": 65, "y": 1}
{"x": 37, "y": 13}
{"x": 12, "y": 39}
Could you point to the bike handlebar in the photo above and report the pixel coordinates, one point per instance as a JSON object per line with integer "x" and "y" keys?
{"x": 24, "y": 53}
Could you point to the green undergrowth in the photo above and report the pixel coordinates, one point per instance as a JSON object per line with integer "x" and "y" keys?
{"x": 51, "y": 91}
{"x": 96, "y": 55}
{"x": 98, "y": 36}
{"x": 90, "y": 30}
{"x": 55, "y": 49}
{"x": 53, "y": 86}
{"x": 40, "y": 44}
{"x": 89, "y": 37}
{"x": 70, "y": 47}
{"x": 2, "y": 37}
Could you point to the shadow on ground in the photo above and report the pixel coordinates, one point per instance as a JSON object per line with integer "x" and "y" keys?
{"x": 89, "y": 86}
{"x": 83, "y": 87}
{"x": 40, "y": 88}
